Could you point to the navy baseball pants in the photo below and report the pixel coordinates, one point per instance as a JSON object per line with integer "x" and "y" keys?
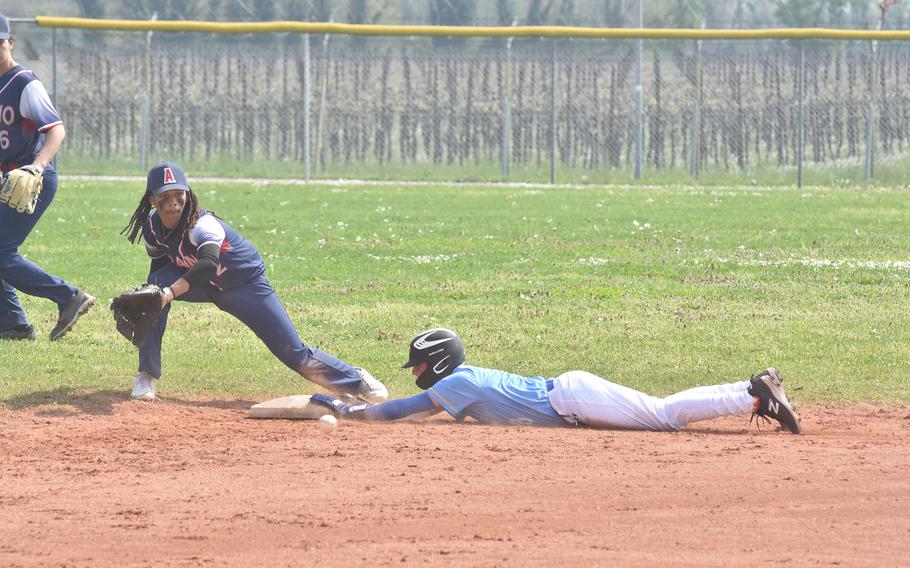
{"x": 256, "y": 305}
{"x": 17, "y": 273}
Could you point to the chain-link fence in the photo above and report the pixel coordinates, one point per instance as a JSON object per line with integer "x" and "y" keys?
{"x": 526, "y": 110}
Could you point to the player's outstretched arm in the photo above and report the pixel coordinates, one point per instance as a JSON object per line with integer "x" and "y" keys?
{"x": 417, "y": 406}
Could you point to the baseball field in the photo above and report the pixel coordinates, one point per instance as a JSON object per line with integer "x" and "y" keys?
{"x": 659, "y": 288}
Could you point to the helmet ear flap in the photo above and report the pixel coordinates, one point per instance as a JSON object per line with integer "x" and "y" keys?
{"x": 427, "y": 379}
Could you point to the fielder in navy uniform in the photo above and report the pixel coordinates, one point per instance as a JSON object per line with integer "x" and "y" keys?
{"x": 31, "y": 132}
{"x": 437, "y": 360}
{"x": 197, "y": 257}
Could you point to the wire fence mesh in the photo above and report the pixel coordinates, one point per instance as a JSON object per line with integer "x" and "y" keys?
{"x": 286, "y": 105}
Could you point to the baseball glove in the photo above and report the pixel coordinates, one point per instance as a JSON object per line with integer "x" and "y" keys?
{"x": 339, "y": 408}
{"x": 136, "y": 312}
{"x": 21, "y": 188}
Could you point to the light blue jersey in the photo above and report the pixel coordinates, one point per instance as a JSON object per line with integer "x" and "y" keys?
{"x": 492, "y": 396}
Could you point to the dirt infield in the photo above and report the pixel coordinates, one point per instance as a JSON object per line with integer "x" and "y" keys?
{"x": 110, "y": 482}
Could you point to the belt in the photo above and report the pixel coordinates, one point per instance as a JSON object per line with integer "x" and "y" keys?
{"x": 572, "y": 419}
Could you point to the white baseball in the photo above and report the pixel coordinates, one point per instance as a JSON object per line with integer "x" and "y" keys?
{"x": 327, "y": 423}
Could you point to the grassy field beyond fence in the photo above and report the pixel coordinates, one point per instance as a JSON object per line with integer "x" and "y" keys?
{"x": 658, "y": 288}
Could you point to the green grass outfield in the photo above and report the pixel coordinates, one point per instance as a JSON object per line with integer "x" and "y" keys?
{"x": 660, "y": 288}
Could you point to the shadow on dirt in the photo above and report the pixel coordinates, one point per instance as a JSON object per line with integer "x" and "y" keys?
{"x": 62, "y": 402}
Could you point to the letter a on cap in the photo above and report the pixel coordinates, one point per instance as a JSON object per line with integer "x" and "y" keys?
{"x": 168, "y": 176}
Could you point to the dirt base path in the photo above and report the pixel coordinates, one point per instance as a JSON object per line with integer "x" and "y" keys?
{"x": 111, "y": 482}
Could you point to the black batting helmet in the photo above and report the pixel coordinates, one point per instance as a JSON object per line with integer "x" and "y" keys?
{"x": 441, "y": 349}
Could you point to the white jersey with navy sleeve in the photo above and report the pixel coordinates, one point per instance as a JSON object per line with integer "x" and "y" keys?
{"x": 493, "y": 396}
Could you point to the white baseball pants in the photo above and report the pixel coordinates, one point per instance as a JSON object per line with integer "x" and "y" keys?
{"x": 583, "y": 397}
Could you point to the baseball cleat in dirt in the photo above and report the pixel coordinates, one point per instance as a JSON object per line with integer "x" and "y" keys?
{"x": 143, "y": 386}
{"x": 69, "y": 314}
{"x": 772, "y": 402}
{"x": 371, "y": 390}
{"x": 19, "y": 332}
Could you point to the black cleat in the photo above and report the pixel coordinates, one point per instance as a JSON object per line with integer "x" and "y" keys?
{"x": 80, "y": 304}
{"x": 773, "y": 402}
{"x": 19, "y": 332}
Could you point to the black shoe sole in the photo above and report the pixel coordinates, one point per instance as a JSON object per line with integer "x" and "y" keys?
{"x": 83, "y": 309}
{"x": 18, "y": 337}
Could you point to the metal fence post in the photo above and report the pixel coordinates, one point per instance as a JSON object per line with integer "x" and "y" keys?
{"x": 869, "y": 170}
{"x": 553, "y": 110}
{"x": 306, "y": 107}
{"x": 320, "y": 119}
{"x": 639, "y": 98}
{"x": 696, "y": 114}
{"x": 800, "y": 151}
{"x": 505, "y": 144}
{"x": 146, "y": 101}
{"x": 56, "y": 85}
{"x": 54, "y": 64}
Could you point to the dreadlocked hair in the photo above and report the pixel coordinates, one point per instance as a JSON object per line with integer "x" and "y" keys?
{"x": 187, "y": 219}
{"x": 139, "y": 216}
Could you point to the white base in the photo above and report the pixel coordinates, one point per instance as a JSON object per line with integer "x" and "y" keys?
{"x": 297, "y": 407}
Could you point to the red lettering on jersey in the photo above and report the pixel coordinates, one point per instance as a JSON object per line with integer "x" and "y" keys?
{"x": 169, "y": 176}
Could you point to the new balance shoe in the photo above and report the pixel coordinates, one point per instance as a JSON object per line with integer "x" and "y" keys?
{"x": 371, "y": 390}
{"x": 143, "y": 386}
{"x": 79, "y": 305}
{"x": 774, "y": 374}
{"x": 19, "y": 332}
{"x": 772, "y": 402}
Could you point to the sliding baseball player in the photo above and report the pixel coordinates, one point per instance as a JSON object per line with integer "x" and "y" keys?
{"x": 576, "y": 398}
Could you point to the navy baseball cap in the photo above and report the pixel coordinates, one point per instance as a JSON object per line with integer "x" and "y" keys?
{"x": 166, "y": 176}
{"x": 4, "y": 27}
